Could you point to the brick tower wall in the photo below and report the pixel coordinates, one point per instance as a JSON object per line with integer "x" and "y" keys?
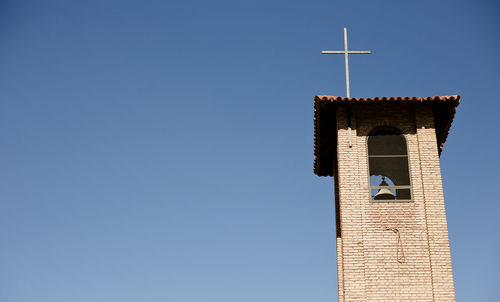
{"x": 372, "y": 264}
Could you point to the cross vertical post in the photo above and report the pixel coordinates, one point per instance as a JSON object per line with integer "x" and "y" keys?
{"x": 346, "y": 64}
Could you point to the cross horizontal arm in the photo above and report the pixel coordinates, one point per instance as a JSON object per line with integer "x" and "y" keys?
{"x": 363, "y": 52}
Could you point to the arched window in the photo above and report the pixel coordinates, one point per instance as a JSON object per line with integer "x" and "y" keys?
{"x": 388, "y": 165}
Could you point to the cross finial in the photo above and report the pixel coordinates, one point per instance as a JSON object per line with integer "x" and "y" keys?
{"x": 346, "y": 52}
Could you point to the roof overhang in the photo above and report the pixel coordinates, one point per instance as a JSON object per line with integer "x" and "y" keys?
{"x": 325, "y": 140}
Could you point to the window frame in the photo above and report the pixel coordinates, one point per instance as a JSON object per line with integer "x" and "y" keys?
{"x": 409, "y": 187}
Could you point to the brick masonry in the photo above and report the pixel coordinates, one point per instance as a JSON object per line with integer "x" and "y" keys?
{"x": 372, "y": 265}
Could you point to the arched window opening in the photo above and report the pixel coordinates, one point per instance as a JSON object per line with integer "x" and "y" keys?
{"x": 388, "y": 165}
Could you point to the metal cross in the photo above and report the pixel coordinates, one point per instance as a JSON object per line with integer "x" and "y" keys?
{"x": 346, "y": 53}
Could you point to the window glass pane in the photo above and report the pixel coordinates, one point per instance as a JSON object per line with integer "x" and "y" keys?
{"x": 390, "y": 194}
{"x": 376, "y": 180}
{"x": 394, "y": 169}
{"x": 387, "y": 145}
{"x": 403, "y": 194}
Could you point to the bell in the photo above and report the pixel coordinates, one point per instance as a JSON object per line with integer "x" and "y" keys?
{"x": 384, "y": 193}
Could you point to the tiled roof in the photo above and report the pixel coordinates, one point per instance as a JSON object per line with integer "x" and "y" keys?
{"x": 444, "y": 108}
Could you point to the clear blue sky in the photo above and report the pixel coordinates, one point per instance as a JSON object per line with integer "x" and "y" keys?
{"x": 163, "y": 150}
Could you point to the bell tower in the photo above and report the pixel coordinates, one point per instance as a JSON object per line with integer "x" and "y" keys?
{"x": 383, "y": 153}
